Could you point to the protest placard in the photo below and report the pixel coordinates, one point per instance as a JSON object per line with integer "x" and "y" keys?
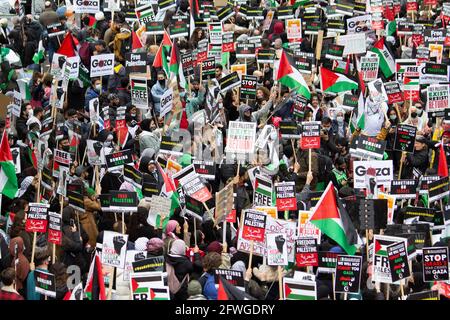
{"x": 102, "y": 65}
{"x": 114, "y": 249}
{"x": 37, "y": 217}
{"x": 254, "y": 225}
{"x": 348, "y": 274}
{"x": 45, "y": 283}
{"x": 435, "y": 264}
{"x": 54, "y": 228}
{"x": 310, "y": 135}
{"x": 277, "y": 254}
{"x": 285, "y": 196}
{"x": 381, "y": 265}
{"x": 398, "y": 261}
{"x": 306, "y": 252}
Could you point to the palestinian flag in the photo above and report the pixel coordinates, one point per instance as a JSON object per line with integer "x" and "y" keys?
{"x": 168, "y": 190}
{"x": 291, "y": 77}
{"x": 76, "y": 293}
{"x": 136, "y": 42}
{"x": 10, "y": 56}
{"x": 358, "y": 118}
{"x": 299, "y": 290}
{"x": 39, "y": 55}
{"x": 387, "y": 62}
{"x": 67, "y": 47}
{"x": 332, "y": 218}
{"x": 226, "y": 291}
{"x": 175, "y": 66}
{"x": 333, "y": 82}
{"x": 263, "y": 187}
{"x": 380, "y": 248}
{"x": 8, "y": 178}
{"x": 95, "y": 286}
{"x": 391, "y": 28}
{"x": 162, "y": 54}
{"x": 141, "y": 282}
{"x": 122, "y": 136}
{"x": 24, "y": 88}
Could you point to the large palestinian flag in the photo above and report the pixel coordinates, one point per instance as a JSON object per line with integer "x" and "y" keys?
{"x": 291, "y": 77}
{"x": 333, "y": 82}
{"x": 8, "y": 178}
{"x": 332, "y": 219}
{"x": 387, "y": 62}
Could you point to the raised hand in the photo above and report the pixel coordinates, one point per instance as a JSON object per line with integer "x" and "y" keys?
{"x": 118, "y": 242}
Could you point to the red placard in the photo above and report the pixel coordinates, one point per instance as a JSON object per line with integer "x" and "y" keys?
{"x": 417, "y": 39}
{"x": 232, "y": 216}
{"x": 412, "y": 6}
{"x": 55, "y": 237}
{"x": 310, "y": 142}
{"x": 429, "y": 2}
{"x": 310, "y": 135}
{"x": 306, "y": 253}
{"x": 415, "y": 95}
{"x": 254, "y": 225}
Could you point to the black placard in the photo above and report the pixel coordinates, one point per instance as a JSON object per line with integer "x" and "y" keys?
{"x": 133, "y": 175}
{"x": 149, "y": 189}
{"x": 118, "y": 159}
{"x": 371, "y": 147}
{"x": 405, "y": 136}
{"x": 124, "y": 201}
{"x": 404, "y": 189}
{"x": 206, "y": 169}
{"x": 350, "y": 100}
{"x": 348, "y": 274}
{"x": 435, "y": 264}
{"x": 424, "y": 214}
{"x": 105, "y": 202}
{"x": 170, "y": 146}
{"x": 45, "y": 283}
{"x": 188, "y": 64}
{"x": 265, "y": 56}
{"x": 225, "y": 13}
{"x": 327, "y": 261}
{"x": 366, "y": 214}
{"x": 234, "y": 277}
{"x": 424, "y": 295}
{"x": 209, "y": 68}
{"x": 149, "y": 264}
{"x": 136, "y": 62}
{"x": 289, "y": 129}
{"x": 245, "y": 50}
{"x": 248, "y": 87}
{"x": 76, "y": 200}
{"x": 398, "y": 261}
{"x": 334, "y": 51}
{"x": 438, "y": 189}
{"x": 229, "y": 81}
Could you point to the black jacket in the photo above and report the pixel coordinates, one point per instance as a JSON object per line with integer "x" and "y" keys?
{"x": 182, "y": 266}
{"x": 418, "y": 160}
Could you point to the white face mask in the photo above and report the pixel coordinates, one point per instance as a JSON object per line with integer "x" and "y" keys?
{"x": 30, "y": 113}
{"x": 98, "y": 87}
{"x": 340, "y": 119}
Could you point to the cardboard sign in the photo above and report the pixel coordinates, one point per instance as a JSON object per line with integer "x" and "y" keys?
{"x": 54, "y": 228}
{"x": 102, "y": 65}
{"x": 37, "y": 217}
{"x": 124, "y": 201}
{"x": 438, "y": 189}
{"x": 139, "y": 93}
{"x": 305, "y": 228}
{"x": 306, "y": 252}
{"x": 393, "y": 91}
{"x": 248, "y": 87}
{"x": 197, "y": 190}
{"x": 263, "y": 191}
{"x": 254, "y": 225}
{"x": 118, "y": 159}
{"x": 398, "y": 261}
{"x": 327, "y": 262}
{"x": 294, "y": 28}
{"x": 369, "y": 68}
{"x": 381, "y": 265}
{"x": 310, "y": 135}
{"x": 435, "y": 264}
{"x": 136, "y": 62}
{"x": 76, "y": 200}
{"x": 289, "y": 130}
{"x": 241, "y": 137}
{"x": 285, "y": 193}
{"x": 405, "y": 137}
{"x": 166, "y": 102}
{"x": 437, "y": 97}
{"x": 383, "y": 170}
{"x": 229, "y": 82}
{"x": 224, "y": 203}
{"x": 276, "y": 249}
{"x": 114, "y": 249}
{"x": 159, "y": 206}
{"x": 145, "y": 14}
{"x": 45, "y": 283}
{"x": 234, "y": 277}
{"x": 348, "y": 274}
{"x": 148, "y": 265}
{"x": 294, "y": 289}
{"x": 404, "y": 189}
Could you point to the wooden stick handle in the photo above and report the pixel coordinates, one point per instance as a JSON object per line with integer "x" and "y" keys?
{"x": 280, "y": 282}
{"x": 251, "y": 255}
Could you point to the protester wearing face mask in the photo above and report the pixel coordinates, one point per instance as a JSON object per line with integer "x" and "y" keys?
{"x": 158, "y": 90}
{"x": 390, "y": 139}
{"x": 418, "y": 119}
{"x": 340, "y": 127}
{"x": 92, "y": 92}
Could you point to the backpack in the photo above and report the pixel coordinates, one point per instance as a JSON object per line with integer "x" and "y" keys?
{"x": 325, "y": 168}
{"x": 172, "y": 280}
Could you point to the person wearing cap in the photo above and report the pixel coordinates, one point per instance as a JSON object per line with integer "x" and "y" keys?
{"x": 418, "y": 160}
{"x": 195, "y": 291}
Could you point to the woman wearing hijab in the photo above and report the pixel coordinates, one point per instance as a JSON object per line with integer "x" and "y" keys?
{"x": 173, "y": 232}
{"x": 22, "y": 267}
{"x": 181, "y": 266}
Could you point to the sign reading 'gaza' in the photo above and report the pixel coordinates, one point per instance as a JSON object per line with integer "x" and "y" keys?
{"x": 102, "y": 65}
